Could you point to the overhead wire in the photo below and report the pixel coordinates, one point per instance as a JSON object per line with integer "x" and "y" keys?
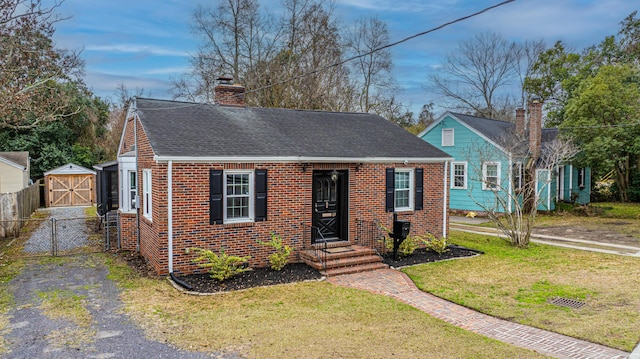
{"x": 339, "y": 63}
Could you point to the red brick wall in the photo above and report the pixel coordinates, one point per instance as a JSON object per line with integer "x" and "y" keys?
{"x": 128, "y": 231}
{"x": 128, "y": 140}
{"x": 289, "y": 210}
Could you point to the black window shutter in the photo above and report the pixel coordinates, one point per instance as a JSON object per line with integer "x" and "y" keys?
{"x": 390, "y": 189}
{"x": 261, "y": 195}
{"x": 419, "y": 189}
{"x": 215, "y": 196}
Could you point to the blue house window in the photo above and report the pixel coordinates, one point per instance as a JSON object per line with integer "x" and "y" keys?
{"x": 459, "y": 175}
{"x": 491, "y": 176}
{"x": 447, "y": 137}
{"x": 581, "y": 178}
{"x": 517, "y": 175}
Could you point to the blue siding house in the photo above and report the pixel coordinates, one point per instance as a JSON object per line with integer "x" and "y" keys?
{"x": 486, "y": 169}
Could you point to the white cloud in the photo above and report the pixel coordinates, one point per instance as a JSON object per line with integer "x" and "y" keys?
{"x": 104, "y": 85}
{"x": 168, "y": 70}
{"x": 412, "y": 6}
{"x": 133, "y": 48}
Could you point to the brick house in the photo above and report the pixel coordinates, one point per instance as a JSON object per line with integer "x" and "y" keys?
{"x": 224, "y": 176}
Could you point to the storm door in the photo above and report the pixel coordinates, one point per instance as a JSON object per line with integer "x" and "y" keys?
{"x": 328, "y": 206}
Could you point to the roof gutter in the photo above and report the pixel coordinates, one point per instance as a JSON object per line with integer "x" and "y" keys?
{"x": 13, "y": 164}
{"x": 299, "y": 159}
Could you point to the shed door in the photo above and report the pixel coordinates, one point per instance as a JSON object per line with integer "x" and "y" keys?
{"x": 70, "y": 190}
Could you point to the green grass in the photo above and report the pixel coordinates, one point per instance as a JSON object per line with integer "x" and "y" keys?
{"x": 302, "y": 320}
{"x": 618, "y": 210}
{"x": 91, "y": 211}
{"x": 63, "y": 303}
{"x": 515, "y": 284}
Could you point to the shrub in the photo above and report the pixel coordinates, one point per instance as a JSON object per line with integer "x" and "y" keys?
{"x": 222, "y": 266}
{"x": 280, "y": 257}
{"x": 434, "y": 244}
{"x": 406, "y": 248}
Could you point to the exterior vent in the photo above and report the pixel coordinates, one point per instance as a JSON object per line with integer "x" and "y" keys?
{"x": 564, "y": 302}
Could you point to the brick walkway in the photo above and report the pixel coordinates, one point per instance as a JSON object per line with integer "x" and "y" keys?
{"x": 397, "y": 285}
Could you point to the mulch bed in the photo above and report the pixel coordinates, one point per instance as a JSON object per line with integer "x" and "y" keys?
{"x": 423, "y": 256}
{"x": 295, "y": 272}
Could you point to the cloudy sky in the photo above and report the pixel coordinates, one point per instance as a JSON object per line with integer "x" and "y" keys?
{"x": 143, "y": 44}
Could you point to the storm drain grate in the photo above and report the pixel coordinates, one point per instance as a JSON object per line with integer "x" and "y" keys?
{"x": 564, "y": 302}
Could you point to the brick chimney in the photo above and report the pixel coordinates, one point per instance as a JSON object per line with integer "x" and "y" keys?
{"x": 520, "y": 122}
{"x": 226, "y": 93}
{"x": 535, "y": 127}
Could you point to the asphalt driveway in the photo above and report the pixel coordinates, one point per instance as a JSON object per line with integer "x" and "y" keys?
{"x": 110, "y": 333}
{"x": 33, "y": 332}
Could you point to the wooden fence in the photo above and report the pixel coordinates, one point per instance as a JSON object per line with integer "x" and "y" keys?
{"x": 17, "y": 206}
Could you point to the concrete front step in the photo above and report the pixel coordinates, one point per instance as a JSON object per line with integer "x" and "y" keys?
{"x": 353, "y": 259}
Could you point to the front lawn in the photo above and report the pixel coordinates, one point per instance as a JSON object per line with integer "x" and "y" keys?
{"x": 303, "y": 320}
{"x": 515, "y": 284}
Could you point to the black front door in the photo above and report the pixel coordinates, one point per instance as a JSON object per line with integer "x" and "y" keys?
{"x": 328, "y": 192}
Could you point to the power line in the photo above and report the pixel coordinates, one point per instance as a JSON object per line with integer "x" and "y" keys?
{"x": 376, "y": 50}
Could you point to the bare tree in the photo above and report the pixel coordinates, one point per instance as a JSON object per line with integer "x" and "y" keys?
{"x": 372, "y": 72}
{"x": 512, "y": 199}
{"x": 479, "y": 76}
{"x": 33, "y": 73}
{"x": 117, "y": 116}
{"x": 527, "y": 55}
{"x": 235, "y": 38}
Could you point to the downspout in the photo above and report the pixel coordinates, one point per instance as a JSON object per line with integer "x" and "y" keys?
{"x": 444, "y": 204}
{"x": 570, "y": 181}
{"x": 549, "y": 189}
{"x": 510, "y": 197}
{"x": 135, "y": 141}
{"x": 170, "y": 214}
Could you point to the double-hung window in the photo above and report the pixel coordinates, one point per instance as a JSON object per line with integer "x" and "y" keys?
{"x": 403, "y": 191}
{"x": 146, "y": 193}
{"x": 517, "y": 175}
{"x": 491, "y": 176}
{"x": 459, "y": 175}
{"x": 238, "y": 196}
{"x": 133, "y": 189}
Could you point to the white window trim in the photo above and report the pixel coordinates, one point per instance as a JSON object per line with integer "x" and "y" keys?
{"x": 126, "y": 165}
{"x": 147, "y": 203}
{"x": 453, "y": 171}
{"x": 582, "y": 178}
{"x": 412, "y": 189}
{"x": 520, "y": 167}
{"x": 484, "y": 176}
{"x": 251, "y": 217}
{"x": 448, "y": 130}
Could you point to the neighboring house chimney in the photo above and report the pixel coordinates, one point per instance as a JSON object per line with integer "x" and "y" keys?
{"x": 520, "y": 122}
{"x": 226, "y": 93}
{"x": 535, "y": 128}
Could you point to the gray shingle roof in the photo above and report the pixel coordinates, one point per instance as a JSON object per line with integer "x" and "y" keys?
{"x": 182, "y": 129}
{"x": 494, "y": 129}
{"x": 20, "y": 158}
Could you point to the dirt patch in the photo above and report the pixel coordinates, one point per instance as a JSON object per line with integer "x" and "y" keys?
{"x": 583, "y": 232}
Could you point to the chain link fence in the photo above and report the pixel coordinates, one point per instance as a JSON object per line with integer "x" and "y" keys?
{"x": 56, "y": 236}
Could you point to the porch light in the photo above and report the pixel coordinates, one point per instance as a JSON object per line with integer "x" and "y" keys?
{"x": 334, "y": 175}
